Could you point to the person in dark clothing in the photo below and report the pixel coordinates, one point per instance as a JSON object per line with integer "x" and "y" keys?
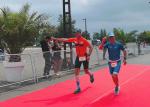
{"x": 56, "y": 60}
{"x": 46, "y": 54}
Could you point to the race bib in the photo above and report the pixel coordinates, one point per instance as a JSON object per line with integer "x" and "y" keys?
{"x": 82, "y": 58}
{"x": 113, "y": 64}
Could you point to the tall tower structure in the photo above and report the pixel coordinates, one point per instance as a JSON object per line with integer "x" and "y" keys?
{"x": 67, "y": 27}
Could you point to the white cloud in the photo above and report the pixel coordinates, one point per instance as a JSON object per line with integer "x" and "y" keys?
{"x": 84, "y": 2}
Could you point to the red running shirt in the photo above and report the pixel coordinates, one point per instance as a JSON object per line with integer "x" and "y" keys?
{"x": 81, "y": 45}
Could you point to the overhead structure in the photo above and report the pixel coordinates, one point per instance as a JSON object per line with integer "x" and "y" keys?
{"x": 85, "y": 25}
{"x": 67, "y": 28}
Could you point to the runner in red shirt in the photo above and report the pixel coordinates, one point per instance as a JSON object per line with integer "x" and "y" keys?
{"x": 83, "y": 56}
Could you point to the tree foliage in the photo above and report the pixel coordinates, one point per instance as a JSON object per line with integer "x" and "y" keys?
{"x": 131, "y": 36}
{"x": 144, "y": 37}
{"x": 120, "y": 35}
{"x": 60, "y": 32}
{"x": 19, "y": 29}
{"x": 86, "y": 35}
{"x": 96, "y": 35}
{"x": 99, "y": 35}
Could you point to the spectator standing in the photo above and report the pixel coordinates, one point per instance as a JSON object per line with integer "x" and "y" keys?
{"x": 46, "y": 54}
{"x": 56, "y": 60}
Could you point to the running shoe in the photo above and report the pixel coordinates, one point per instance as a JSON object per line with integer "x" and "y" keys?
{"x": 117, "y": 90}
{"x": 77, "y": 91}
{"x": 92, "y": 78}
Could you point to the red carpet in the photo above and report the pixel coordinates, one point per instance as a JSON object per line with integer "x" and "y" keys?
{"x": 134, "y": 81}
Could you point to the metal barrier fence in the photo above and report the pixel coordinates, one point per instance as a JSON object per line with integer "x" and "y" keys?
{"x": 28, "y": 72}
{"x": 34, "y": 64}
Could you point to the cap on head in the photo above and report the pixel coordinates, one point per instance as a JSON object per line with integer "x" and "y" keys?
{"x": 111, "y": 34}
{"x": 77, "y": 33}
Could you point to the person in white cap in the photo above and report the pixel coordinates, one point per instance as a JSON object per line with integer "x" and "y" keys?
{"x": 114, "y": 49}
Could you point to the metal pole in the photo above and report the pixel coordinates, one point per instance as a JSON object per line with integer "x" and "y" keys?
{"x": 85, "y": 25}
{"x": 67, "y": 26}
{"x": 33, "y": 68}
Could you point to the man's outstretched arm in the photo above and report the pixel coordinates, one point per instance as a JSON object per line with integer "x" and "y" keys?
{"x": 101, "y": 46}
{"x": 63, "y": 39}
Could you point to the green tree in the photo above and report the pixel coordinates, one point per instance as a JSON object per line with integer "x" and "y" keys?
{"x": 144, "y": 36}
{"x": 103, "y": 33}
{"x": 19, "y": 29}
{"x": 86, "y": 35}
{"x": 60, "y": 27}
{"x": 96, "y": 35}
{"x": 131, "y": 36}
{"x": 120, "y": 35}
{"x": 45, "y": 30}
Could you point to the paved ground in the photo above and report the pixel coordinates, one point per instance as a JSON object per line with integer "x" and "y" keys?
{"x": 142, "y": 59}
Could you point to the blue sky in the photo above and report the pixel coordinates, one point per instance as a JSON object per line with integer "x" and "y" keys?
{"x": 126, "y": 14}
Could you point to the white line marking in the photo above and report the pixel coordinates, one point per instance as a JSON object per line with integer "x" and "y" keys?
{"x": 110, "y": 91}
